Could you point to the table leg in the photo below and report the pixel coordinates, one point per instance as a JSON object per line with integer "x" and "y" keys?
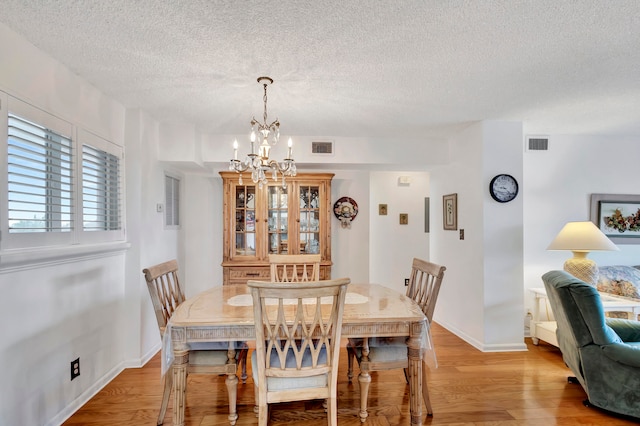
{"x": 364, "y": 379}
{"x": 180, "y": 362}
{"x": 414, "y": 352}
{"x": 232, "y": 386}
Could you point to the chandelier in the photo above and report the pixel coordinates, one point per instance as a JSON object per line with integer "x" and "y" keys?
{"x": 258, "y": 162}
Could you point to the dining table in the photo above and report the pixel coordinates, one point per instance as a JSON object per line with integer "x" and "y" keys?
{"x": 225, "y": 313}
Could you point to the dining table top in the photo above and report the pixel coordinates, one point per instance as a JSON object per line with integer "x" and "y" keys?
{"x": 371, "y": 306}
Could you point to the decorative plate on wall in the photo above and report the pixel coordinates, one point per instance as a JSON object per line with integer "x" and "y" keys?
{"x": 345, "y": 209}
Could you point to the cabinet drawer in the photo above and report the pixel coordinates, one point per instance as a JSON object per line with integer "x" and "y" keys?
{"x": 239, "y": 275}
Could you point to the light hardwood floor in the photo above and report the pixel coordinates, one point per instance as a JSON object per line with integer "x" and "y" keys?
{"x": 469, "y": 387}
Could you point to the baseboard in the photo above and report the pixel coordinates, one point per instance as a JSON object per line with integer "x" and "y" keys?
{"x": 85, "y": 396}
{"x": 502, "y": 347}
{"x": 70, "y": 409}
{"x": 140, "y": 362}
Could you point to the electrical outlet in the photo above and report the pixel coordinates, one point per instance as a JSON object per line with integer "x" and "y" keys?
{"x": 75, "y": 368}
{"x": 406, "y": 282}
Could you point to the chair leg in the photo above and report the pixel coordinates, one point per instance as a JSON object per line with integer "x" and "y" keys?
{"x": 425, "y": 391}
{"x": 350, "y": 357}
{"x": 256, "y": 407}
{"x": 242, "y": 360}
{"x": 332, "y": 411}
{"x": 365, "y": 380}
{"x": 166, "y": 394}
{"x": 232, "y": 389}
{"x": 263, "y": 415}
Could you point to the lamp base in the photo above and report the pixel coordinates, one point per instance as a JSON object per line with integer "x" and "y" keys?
{"x": 584, "y": 269}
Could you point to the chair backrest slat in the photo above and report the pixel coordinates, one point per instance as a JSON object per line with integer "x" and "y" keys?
{"x": 294, "y": 267}
{"x": 165, "y": 291}
{"x": 424, "y": 285}
{"x": 298, "y": 322}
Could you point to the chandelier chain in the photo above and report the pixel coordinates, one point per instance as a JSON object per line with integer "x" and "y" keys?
{"x": 264, "y": 99}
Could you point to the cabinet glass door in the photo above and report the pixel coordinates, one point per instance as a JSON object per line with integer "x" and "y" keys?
{"x": 309, "y": 219}
{"x": 245, "y": 207}
{"x": 277, "y": 218}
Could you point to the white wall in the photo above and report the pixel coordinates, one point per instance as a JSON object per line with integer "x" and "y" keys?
{"x": 202, "y": 228}
{"x": 559, "y": 183}
{"x": 393, "y": 246}
{"x": 91, "y": 302}
{"x": 350, "y": 246}
{"x": 503, "y": 242}
{"x": 458, "y": 307}
{"x": 481, "y": 299}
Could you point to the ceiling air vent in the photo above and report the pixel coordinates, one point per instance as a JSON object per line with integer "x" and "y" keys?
{"x": 537, "y": 143}
{"x": 322, "y": 147}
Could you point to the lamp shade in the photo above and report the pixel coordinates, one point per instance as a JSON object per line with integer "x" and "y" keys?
{"x": 581, "y": 237}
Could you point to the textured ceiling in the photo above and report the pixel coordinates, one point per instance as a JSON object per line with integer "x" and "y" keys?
{"x": 375, "y": 69}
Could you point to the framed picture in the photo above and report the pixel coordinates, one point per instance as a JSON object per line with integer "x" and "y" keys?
{"x": 382, "y": 209}
{"x": 450, "y": 212}
{"x": 617, "y": 216}
{"x": 404, "y": 218}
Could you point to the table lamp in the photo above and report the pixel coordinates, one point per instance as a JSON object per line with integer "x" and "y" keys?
{"x": 581, "y": 238}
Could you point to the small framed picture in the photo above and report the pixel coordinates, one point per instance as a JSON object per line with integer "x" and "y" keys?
{"x": 450, "y": 212}
{"x": 404, "y": 218}
{"x": 382, "y": 209}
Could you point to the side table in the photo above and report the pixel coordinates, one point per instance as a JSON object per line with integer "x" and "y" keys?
{"x": 545, "y": 328}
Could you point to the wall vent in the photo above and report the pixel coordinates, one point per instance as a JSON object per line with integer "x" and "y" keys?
{"x": 537, "y": 143}
{"x": 322, "y": 147}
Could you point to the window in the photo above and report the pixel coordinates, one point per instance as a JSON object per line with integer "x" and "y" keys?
{"x": 40, "y": 178}
{"x": 172, "y": 201}
{"x": 100, "y": 190}
{"x": 61, "y": 184}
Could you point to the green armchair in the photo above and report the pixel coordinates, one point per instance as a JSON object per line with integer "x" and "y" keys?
{"x": 603, "y": 353}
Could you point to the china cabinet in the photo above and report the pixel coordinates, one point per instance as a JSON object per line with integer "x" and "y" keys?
{"x": 272, "y": 219}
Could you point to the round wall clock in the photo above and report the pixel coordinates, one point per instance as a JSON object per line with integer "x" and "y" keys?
{"x": 503, "y": 188}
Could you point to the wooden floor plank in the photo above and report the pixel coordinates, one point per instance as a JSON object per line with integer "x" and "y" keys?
{"x": 469, "y": 387}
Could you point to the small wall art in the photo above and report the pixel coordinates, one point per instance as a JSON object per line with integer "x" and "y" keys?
{"x": 382, "y": 209}
{"x": 426, "y": 214}
{"x": 404, "y": 218}
{"x": 345, "y": 209}
{"x": 450, "y": 212}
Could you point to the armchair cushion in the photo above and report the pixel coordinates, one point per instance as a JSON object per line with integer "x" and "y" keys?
{"x": 627, "y": 330}
{"x": 628, "y": 354}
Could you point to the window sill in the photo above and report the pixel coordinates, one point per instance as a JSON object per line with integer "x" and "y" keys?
{"x": 16, "y": 260}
